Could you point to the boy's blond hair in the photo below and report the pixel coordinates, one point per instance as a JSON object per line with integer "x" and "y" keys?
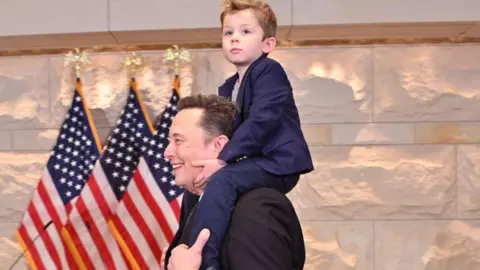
{"x": 264, "y": 13}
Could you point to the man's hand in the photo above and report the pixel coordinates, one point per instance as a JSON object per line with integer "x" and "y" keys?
{"x": 184, "y": 258}
{"x": 210, "y": 166}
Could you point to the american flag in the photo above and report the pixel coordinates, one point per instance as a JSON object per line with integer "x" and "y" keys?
{"x": 71, "y": 161}
{"x": 147, "y": 217}
{"x": 87, "y": 231}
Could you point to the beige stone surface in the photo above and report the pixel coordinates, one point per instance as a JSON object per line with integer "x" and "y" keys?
{"x": 447, "y": 132}
{"x": 34, "y": 139}
{"x": 103, "y": 134}
{"x": 468, "y": 167}
{"x": 41, "y": 139}
{"x": 106, "y": 86}
{"x": 9, "y": 248}
{"x": 317, "y": 134}
{"x": 354, "y": 134}
{"x": 331, "y": 85}
{"x": 380, "y": 182}
{"x": 6, "y": 140}
{"x": 19, "y": 174}
{"x": 427, "y": 245}
{"x": 427, "y": 83}
{"x": 24, "y": 99}
{"x": 338, "y": 245}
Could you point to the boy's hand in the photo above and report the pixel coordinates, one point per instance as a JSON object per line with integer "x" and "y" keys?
{"x": 210, "y": 166}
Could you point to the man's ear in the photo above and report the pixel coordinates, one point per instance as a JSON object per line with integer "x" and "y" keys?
{"x": 220, "y": 142}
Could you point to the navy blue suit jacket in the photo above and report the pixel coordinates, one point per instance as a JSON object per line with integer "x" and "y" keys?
{"x": 267, "y": 127}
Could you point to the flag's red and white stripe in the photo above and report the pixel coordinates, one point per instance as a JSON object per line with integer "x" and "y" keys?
{"x": 145, "y": 220}
{"x": 44, "y": 247}
{"x": 96, "y": 246}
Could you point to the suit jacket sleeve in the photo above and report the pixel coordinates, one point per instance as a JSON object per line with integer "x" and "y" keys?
{"x": 271, "y": 93}
{"x": 264, "y": 234}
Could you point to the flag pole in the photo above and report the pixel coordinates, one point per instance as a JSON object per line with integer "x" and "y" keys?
{"x": 132, "y": 64}
{"x": 178, "y": 56}
{"x": 79, "y": 58}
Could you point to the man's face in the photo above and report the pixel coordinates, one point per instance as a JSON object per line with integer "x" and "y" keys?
{"x": 242, "y": 38}
{"x": 187, "y": 144}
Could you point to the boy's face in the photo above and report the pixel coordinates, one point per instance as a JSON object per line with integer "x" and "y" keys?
{"x": 242, "y": 38}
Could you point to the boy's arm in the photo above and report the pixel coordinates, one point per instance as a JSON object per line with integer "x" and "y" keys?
{"x": 272, "y": 92}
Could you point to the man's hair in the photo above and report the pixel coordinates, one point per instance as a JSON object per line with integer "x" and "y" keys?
{"x": 218, "y": 113}
{"x": 264, "y": 13}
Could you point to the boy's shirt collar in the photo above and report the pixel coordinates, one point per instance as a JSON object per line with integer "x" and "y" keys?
{"x": 227, "y": 88}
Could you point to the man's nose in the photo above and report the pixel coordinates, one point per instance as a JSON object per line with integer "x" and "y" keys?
{"x": 169, "y": 151}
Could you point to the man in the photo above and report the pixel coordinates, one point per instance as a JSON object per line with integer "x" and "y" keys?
{"x": 264, "y": 232}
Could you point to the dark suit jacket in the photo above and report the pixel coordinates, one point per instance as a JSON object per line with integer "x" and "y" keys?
{"x": 267, "y": 128}
{"x": 264, "y": 233}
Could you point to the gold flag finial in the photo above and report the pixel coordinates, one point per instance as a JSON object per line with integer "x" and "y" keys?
{"x": 132, "y": 62}
{"x": 78, "y": 58}
{"x": 178, "y": 56}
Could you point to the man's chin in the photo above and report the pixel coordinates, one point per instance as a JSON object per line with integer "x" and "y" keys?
{"x": 188, "y": 187}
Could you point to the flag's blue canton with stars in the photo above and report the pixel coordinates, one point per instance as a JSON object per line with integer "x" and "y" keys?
{"x": 75, "y": 152}
{"x": 129, "y": 139}
{"x": 159, "y": 165}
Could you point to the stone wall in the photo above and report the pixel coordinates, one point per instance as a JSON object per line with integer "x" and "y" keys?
{"x": 394, "y": 132}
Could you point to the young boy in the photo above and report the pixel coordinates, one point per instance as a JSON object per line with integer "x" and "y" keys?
{"x": 268, "y": 148}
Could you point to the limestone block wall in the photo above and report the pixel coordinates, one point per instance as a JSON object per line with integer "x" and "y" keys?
{"x": 394, "y": 132}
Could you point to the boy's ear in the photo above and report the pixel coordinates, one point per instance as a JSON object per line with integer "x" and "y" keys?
{"x": 269, "y": 44}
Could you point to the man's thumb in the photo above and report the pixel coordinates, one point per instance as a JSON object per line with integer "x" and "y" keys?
{"x": 201, "y": 241}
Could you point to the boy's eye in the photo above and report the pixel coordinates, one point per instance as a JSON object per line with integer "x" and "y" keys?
{"x": 246, "y": 31}
{"x": 227, "y": 33}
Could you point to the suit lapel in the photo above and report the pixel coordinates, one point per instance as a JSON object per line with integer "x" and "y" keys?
{"x": 246, "y": 82}
{"x": 187, "y": 228}
{"x": 226, "y": 89}
{"x": 191, "y": 214}
{"x": 189, "y": 203}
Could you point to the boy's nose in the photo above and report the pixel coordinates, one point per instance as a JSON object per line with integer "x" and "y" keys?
{"x": 234, "y": 37}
